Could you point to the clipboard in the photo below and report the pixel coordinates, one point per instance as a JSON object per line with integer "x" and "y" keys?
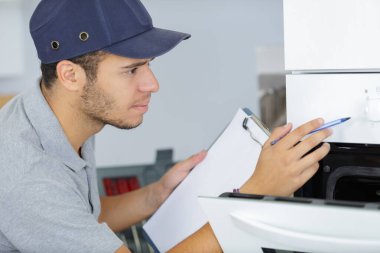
{"x": 230, "y": 161}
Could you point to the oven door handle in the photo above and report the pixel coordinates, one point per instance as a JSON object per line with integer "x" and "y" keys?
{"x": 300, "y": 240}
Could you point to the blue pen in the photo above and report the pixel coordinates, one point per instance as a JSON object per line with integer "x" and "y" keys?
{"x": 324, "y": 126}
{"x": 330, "y": 124}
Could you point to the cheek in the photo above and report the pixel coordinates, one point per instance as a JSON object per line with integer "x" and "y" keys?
{"x": 120, "y": 88}
{"x": 112, "y": 88}
{"x": 124, "y": 98}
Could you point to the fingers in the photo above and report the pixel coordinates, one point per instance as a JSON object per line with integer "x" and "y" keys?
{"x": 199, "y": 157}
{"x": 309, "y": 165}
{"x": 307, "y": 174}
{"x": 310, "y": 142}
{"x": 178, "y": 173}
{"x": 313, "y": 158}
{"x": 192, "y": 161}
{"x": 295, "y": 136}
{"x": 278, "y": 133}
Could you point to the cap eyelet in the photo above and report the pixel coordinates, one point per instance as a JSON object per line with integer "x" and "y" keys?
{"x": 54, "y": 45}
{"x": 83, "y": 36}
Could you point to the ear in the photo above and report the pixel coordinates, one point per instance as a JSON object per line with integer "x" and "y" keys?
{"x": 71, "y": 75}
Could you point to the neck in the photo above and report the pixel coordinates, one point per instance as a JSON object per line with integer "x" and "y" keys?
{"x": 76, "y": 126}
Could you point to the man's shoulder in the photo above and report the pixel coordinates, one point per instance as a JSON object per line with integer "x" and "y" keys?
{"x": 17, "y": 135}
{"x": 14, "y": 120}
{"x": 21, "y": 153}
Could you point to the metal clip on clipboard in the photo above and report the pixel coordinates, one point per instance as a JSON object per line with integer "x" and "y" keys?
{"x": 259, "y": 123}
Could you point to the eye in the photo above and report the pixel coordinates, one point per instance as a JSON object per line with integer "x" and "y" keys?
{"x": 132, "y": 71}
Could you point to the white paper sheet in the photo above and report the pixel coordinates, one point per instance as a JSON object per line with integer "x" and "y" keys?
{"x": 229, "y": 163}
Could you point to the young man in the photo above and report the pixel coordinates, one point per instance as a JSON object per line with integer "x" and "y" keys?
{"x": 95, "y": 57}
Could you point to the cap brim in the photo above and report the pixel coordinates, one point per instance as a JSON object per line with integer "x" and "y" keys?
{"x": 150, "y": 44}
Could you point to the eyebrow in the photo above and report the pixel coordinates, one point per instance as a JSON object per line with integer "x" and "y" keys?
{"x": 138, "y": 64}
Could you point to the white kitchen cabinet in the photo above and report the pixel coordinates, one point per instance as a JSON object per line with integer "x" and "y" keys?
{"x": 325, "y": 35}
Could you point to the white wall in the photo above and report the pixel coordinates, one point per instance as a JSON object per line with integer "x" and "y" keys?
{"x": 11, "y": 42}
{"x": 203, "y": 81}
{"x": 28, "y": 73}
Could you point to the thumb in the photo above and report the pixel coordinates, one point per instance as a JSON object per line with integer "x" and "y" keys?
{"x": 278, "y": 133}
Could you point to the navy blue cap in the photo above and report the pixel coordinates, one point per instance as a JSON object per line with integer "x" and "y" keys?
{"x": 64, "y": 29}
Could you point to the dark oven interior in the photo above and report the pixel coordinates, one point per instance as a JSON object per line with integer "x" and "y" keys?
{"x": 349, "y": 172}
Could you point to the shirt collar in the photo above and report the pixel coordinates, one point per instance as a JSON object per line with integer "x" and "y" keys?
{"x": 51, "y": 134}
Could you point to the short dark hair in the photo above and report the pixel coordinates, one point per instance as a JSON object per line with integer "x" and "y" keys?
{"x": 89, "y": 62}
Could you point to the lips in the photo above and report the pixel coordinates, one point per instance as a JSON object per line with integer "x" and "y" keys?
{"x": 141, "y": 109}
{"x": 142, "y": 106}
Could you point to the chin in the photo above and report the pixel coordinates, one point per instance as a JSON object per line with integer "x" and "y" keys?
{"x": 126, "y": 125}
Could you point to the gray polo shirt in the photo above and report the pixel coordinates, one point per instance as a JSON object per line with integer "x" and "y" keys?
{"x": 49, "y": 198}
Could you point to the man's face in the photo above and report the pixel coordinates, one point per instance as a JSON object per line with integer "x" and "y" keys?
{"x": 121, "y": 93}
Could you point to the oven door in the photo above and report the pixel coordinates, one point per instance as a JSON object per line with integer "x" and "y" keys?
{"x": 270, "y": 224}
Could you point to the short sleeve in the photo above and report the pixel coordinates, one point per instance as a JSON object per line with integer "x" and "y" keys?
{"x": 51, "y": 217}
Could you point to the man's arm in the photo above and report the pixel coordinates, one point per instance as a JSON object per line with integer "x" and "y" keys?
{"x": 123, "y": 249}
{"x": 281, "y": 169}
{"x": 202, "y": 241}
{"x": 122, "y": 211}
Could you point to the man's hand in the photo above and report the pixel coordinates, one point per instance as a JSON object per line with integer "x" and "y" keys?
{"x": 284, "y": 167}
{"x": 177, "y": 173}
{"x": 122, "y": 211}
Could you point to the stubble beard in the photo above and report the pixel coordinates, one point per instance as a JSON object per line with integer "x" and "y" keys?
{"x": 97, "y": 105}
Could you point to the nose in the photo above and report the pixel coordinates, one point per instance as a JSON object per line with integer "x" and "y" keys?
{"x": 149, "y": 82}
